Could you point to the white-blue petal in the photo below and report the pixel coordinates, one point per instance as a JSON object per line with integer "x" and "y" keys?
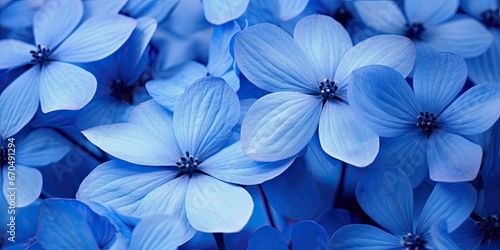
{"x": 430, "y": 12}
{"x": 159, "y": 232}
{"x": 64, "y": 86}
{"x": 221, "y": 11}
{"x": 220, "y": 59}
{"x": 216, "y": 206}
{"x": 28, "y": 182}
{"x": 324, "y": 41}
{"x": 483, "y": 69}
{"x": 205, "y": 116}
{"x": 279, "y": 125}
{"x": 84, "y": 45}
{"x": 289, "y": 9}
{"x": 15, "y": 53}
{"x": 385, "y": 16}
{"x": 95, "y": 8}
{"x": 41, "y": 147}
{"x": 359, "y": 236}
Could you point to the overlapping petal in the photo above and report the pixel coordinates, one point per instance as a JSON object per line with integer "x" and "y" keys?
{"x": 15, "y": 53}
{"x": 385, "y": 16}
{"x": 430, "y": 12}
{"x": 222, "y": 11}
{"x": 357, "y": 236}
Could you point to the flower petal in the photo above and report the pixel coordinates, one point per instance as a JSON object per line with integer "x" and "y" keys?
{"x": 437, "y": 80}
{"x": 19, "y": 102}
{"x": 483, "y": 69}
{"x": 219, "y": 55}
{"x": 385, "y": 16}
{"x": 476, "y": 8}
{"x": 344, "y": 137}
{"x": 221, "y": 11}
{"x": 290, "y": 9}
{"x": 28, "y": 183}
{"x": 65, "y": 86}
{"x": 279, "y": 125}
{"x": 216, "y": 206}
{"x": 231, "y": 165}
{"x": 55, "y": 20}
{"x": 452, "y": 202}
{"x": 397, "y": 52}
{"x": 95, "y": 8}
{"x": 273, "y": 61}
{"x": 358, "y": 236}
{"x": 467, "y": 235}
{"x": 159, "y": 232}
{"x": 114, "y": 184}
{"x": 462, "y": 35}
{"x": 132, "y": 143}
{"x": 266, "y": 237}
{"x": 154, "y": 9}
{"x": 382, "y": 98}
{"x": 430, "y": 12}
{"x": 441, "y": 237}
{"x": 309, "y": 235}
{"x": 15, "y": 53}
{"x": 452, "y": 158}
{"x": 387, "y": 197}
{"x": 324, "y": 41}
{"x": 41, "y": 147}
{"x": 206, "y": 113}
{"x": 473, "y": 112}
{"x": 84, "y": 46}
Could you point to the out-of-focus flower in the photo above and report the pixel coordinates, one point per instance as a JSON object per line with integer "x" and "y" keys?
{"x": 221, "y": 11}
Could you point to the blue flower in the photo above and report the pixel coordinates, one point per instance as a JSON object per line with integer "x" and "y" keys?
{"x": 427, "y": 125}
{"x": 188, "y": 164}
{"x": 309, "y": 77}
{"x": 432, "y": 24}
{"x": 387, "y": 197}
{"x": 52, "y": 79}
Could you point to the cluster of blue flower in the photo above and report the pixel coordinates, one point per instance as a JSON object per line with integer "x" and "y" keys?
{"x": 250, "y": 124}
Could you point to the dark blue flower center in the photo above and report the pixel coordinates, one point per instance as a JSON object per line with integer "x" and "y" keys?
{"x": 491, "y": 18}
{"x": 343, "y": 16}
{"x": 187, "y": 164}
{"x": 41, "y": 55}
{"x": 490, "y": 226}
{"x": 414, "y": 31}
{"x": 426, "y": 122}
{"x": 3, "y": 155}
{"x": 411, "y": 242}
{"x": 327, "y": 89}
{"x": 122, "y": 91}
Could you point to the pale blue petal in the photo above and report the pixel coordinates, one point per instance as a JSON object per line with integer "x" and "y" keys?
{"x": 231, "y": 165}
{"x": 206, "y": 113}
{"x": 430, "y": 12}
{"x": 324, "y": 41}
{"x": 382, "y": 98}
{"x": 363, "y": 237}
{"x": 19, "y": 102}
{"x": 437, "y": 80}
{"x": 169, "y": 85}
{"x": 219, "y": 55}
{"x": 308, "y": 235}
{"x": 132, "y": 143}
{"x": 114, "y": 184}
{"x": 154, "y": 9}
{"x": 473, "y": 112}
{"x": 55, "y": 20}
{"x": 452, "y": 158}
{"x": 294, "y": 193}
{"x": 464, "y": 36}
{"x": 441, "y": 238}
{"x": 279, "y": 125}
{"x": 273, "y": 61}
{"x": 407, "y": 152}
{"x": 41, "y": 147}
{"x": 476, "y": 8}
{"x": 216, "y": 206}
{"x": 266, "y": 237}
{"x": 232, "y": 77}
{"x": 221, "y": 11}
{"x": 397, "y": 52}
{"x": 15, "y": 53}
{"x": 385, "y": 16}
{"x": 28, "y": 184}
{"x": 159, "y": 232}
{"x": 387, "y": 197}
{"x": 84, "y": 45}
{"x": 345, "y": 137}
{"x": 483, "y": 69}
{"x": 95, "y": 8}
{"x": 452, "y": 202}
{"x": 64, "y": 86}
{"x": 289, "y": 9}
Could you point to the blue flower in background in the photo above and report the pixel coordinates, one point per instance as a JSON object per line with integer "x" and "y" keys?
{"x": 188, "y": 163}
{"x": 221, "y": 11}
{"x": 387, "y": 197}
{"x": 52, "y": 79}
{"x": 427, "y": 124}
{"x": 309, "y": 77}
{"x": 433, "y": 25}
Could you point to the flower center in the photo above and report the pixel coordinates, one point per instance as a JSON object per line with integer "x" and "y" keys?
{"x": 490, "y": 226}
{"x": 426, "y": 122}
{"x": 491, "y": 18}
{"x": 327, "y": 89}
{"x": 343, "y": 16}
{"x": 187, "y": 164}
{"x": 122, "y": 91}
{"x": 411, "y": 242}
{"x": 414, "y": 31}
{"x": 41, "y": 55}
{"x": 3, "y": 155}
